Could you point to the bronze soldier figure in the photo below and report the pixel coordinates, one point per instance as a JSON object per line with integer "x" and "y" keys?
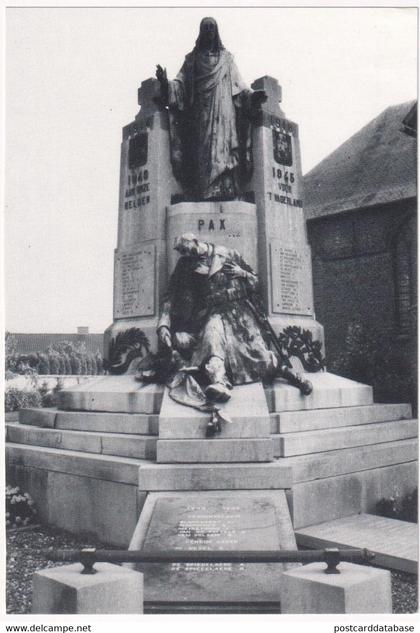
{"x": 211, "y": 320}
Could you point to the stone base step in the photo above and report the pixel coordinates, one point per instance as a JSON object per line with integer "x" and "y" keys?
{"x": 91, "y": 465}
{"x": 118, "y": 444}
{"x": 329, "y": 391}
{"x": 113, "y": 394}
{"x": 79, "y": 492}
{"x": 335, "y": 497}
{"x": 66, "y": 477}
{"x": 316, "y": 419}
{"x": 308, "y": 442}
{"x": 126, "y": 444}
{"x": 150, "y": 476}
{"x": 214, "y": 450}
{"x": 393, "y": 542}
{"x": 125, "y": 394}
{"x": 247, "y": 409}
{"x": 163, "y": 477}
{"x": 350, "y": 460}
{"x": 131, "y": 423}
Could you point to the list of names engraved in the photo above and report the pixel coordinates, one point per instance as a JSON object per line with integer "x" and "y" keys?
{"x": 205, "y": 529}
{"x": 134, "y": 283}
{"x": 217, "y": 524}
{"x": 291, "y": 282}
{"x": 214, "y": 521}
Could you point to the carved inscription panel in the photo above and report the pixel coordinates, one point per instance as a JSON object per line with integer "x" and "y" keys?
{"x": 283, "y": 174}
{"x": 291, "y": 279}
{"x": 135, "y": 283}
{"x": 214, "y": 521}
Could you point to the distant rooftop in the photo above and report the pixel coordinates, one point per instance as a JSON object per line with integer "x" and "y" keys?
{"x": 26, "y": 343}
{"x": 375, "y": 166}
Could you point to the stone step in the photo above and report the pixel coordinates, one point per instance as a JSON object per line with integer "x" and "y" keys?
{"x": 132, "y": 423}
{"x": 155, "y": 477}
{"x": 91, "y": 465}
{"x": 329, "y": 391}
{"x": 247, "y": 409}
{"x": 394, "y": 543}
{"x": 118, "y": 444}
{"x": 343, "y": 495}
{"x": 150, "y": 476}
{"x": 214, "y": 450}
{"x": 79, "y": 492}
{"x": 113, "y": 394}
{"x": 308, "y": 442}
{"x": 313, "y": 420}
{"x": 350, "y": 460}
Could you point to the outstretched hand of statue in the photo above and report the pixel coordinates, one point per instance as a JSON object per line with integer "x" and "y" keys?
{"x": 161, "y": 75}
{"x": 162, "y": 78}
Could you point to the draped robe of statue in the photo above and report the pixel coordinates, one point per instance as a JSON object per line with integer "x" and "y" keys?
{"x": 209, "y": 137}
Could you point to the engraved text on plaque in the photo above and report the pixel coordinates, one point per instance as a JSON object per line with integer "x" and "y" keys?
{"x": 135, "y": 282}
{"x": 291, "y": 279}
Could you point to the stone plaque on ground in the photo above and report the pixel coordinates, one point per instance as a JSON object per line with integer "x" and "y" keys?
{"x": 212, "y": 521}
{"x": 134, "y": 283}
{"x": 394, "y": 542}
{"x": 291, "y": 280}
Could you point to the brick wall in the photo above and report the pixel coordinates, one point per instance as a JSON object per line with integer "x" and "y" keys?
{"x": 31, "y": 342}
{"x": 354, "y": 273}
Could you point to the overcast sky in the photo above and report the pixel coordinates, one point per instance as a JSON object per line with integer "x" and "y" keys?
{"x": 72, "y": 77}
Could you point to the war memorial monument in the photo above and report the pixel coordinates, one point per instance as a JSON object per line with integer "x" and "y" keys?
{"x": 217, "y": 426}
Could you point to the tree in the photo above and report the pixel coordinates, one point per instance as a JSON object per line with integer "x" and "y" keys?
{"x": 83, "y": 368}
{"x": 44, "y": 365}
{"x": 67, "y": 364}
{"x": 10, "y": 354}
{"x": 76, "y": 366}
{"x": 53, "y": 357}
{"x": 94, "y": 364}
{"x": 99, "y": 363}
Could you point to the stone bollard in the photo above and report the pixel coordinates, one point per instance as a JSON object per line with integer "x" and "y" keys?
{"x": 356, "y": 589}
{"x": 113, "y": 589}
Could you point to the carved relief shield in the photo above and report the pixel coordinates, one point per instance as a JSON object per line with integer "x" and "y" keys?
{"x": 282, "y": 148}
{"x": 137, "y": 151}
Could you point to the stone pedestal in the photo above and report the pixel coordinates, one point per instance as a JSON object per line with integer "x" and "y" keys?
{"x": 147, "y": 185}
{"x": 113, "y": 589}
{"x": 285, "y": 267}
{"x": 356, "y": 589}
{"x": 266, "y": 225}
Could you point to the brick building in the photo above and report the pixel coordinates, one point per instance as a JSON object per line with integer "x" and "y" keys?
{"x": 31, "y": 342}
{"x": 361, "y": 205}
